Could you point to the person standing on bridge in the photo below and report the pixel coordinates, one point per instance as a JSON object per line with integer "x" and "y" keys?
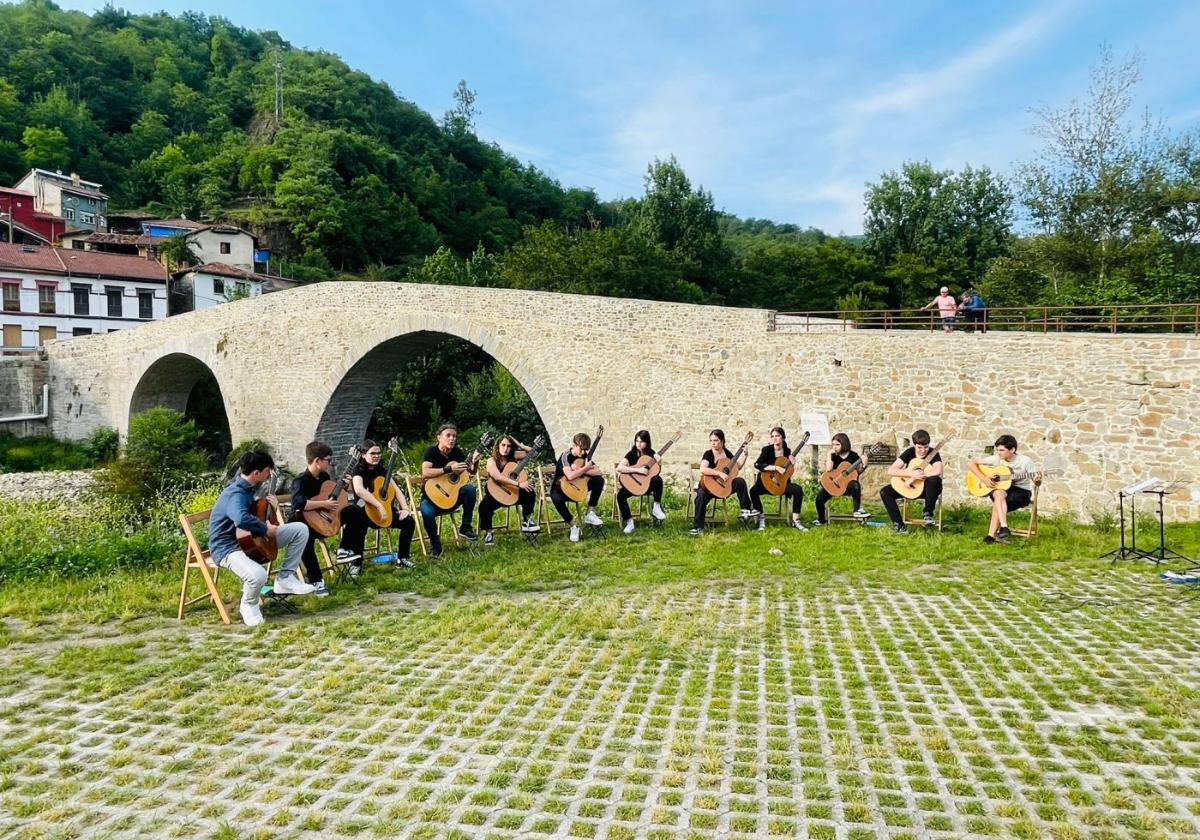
{"x": 947, "y": 307}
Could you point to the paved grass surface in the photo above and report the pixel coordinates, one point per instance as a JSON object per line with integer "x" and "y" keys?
{"x": 852, "y": 685}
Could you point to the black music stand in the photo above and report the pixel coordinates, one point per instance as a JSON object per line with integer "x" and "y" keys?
{"x": 1161, "y": 553}
{"x": 1130, "y": 550}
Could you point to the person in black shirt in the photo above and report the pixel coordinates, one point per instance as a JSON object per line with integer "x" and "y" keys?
{"x": 304, "y": 487}
{"x": 840, "y": 452}
{"x": 564, "y": 468}
{"x": 504, "y": 452}
{"x": 931, "y": 473}
{"x": 355, "y": 521}
{"x": 708, "y": 462}
{"x": 641, "y": 446}
{"x": 443, "y": 458}
{"x": 770, "y": 453}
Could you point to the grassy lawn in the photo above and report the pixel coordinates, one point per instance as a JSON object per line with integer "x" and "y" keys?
{"x": 843, "y": 683}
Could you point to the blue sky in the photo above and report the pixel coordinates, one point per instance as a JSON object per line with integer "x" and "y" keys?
{"x": 783, "y": 110}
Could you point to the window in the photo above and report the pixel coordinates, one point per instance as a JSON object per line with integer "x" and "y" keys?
{"x": 69, "y": 214}
{"x": 12, "y": 335}
{"x": 87, "y": 218}
{"x": 103, "y": 222}
{"x": 218, "y": 286}
{"x": 83, "y": 298}
{"x": 225, "y": 248}
{"x": 113, "y": 296}
{"x": 77, "y": 331}
{"x": 12, "y": 296}
{"x": 46, "y": 298}
{"x": 77, "y": 244}
{"x": 46, "y": 334}
{"x": 145, "y": 304}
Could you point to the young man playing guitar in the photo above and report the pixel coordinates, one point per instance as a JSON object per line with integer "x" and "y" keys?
{"x": 1019, "y": 495}
{"x": 355, "y": 520}
{"x": 565, "y": 467}
{"x": 505, "y": 452}
{"x": 840, "y": 452}
{"x": 715, "y": 454}
{"x": 629, "y": 466}
{"x": 305, "y": 488}
{"x": 231, "y": 512}
{"x": 444, "y": 458}
{"x": 931, "y": 474}
{"x": 768, "y": 461}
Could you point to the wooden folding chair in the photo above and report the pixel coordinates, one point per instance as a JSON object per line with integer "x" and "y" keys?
{"x": 409, "y": 483}
{"x": 200, "y": 559}
{"x": 913, "y": 520}
{"x": 1031, "y": 530}
{"x": 693, "y": 485}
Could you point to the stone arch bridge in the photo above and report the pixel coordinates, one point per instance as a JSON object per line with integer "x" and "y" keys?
{"x": 313, "y": 362}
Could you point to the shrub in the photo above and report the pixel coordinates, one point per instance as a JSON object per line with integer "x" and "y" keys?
{"x": 162, "y": 460}
{"x": 102, "y": 444}
{"x": 38, "y": 454}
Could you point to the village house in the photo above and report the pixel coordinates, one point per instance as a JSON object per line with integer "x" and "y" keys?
{"x": 77, "y": 202}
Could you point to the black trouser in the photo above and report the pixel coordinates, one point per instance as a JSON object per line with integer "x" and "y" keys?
{"x": 853, "y": 490}
{"x": 623, "y": 497}
{"x": 489, "y": 506}
{"x": 703, "y": 497}
{"x": 793, "y": 491}
{"x": 312, "y": 569}
{"x": 975, "y": 320}
{"x": 595, "y": 484}
{"x": 930, "y": 493}
{"x": 354, "y": 531}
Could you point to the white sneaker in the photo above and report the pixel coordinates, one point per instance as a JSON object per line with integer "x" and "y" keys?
{"x": 592, "y": 518}
{"x": 762, "y": 522}
{"x": 290, "y": 584}
{"x": 799, "y": 526}
{"x": 574, "y": 533}
{"x": 320, "y": 589}
{"x": 251, "y": 614}
{"x": 629, "y": 526}
{"x": 530, "y": 526}
{"x": 657, "y": 512}
{"x": 345, "y": 555}
{"x": 861, "y": 514}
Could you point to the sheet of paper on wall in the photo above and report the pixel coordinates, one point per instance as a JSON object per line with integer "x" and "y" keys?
{"x": 817, "y": 426}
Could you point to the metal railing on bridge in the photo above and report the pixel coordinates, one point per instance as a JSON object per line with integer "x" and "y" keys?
{"x": 1182, "y": 318}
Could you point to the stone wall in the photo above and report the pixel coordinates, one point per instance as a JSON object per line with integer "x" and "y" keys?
{"x": 21, "y": 381}
{"x": 312, "y": 361}
{"x": 67, "y": 484}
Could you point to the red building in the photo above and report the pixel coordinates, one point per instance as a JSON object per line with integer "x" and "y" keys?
{"x": 22, "y": 224}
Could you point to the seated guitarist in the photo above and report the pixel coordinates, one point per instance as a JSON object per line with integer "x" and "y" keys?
{"x": 772, "y": 452}
{"x": 305, "y": 486}
{"x": 504, "y": 452}
{"x": 1019, "y": 495}
{"x": 931, "y": 474}
{"x": 840, "y": 452}
{"x": 443, "y": 458}
{"x": 708, "y": 463}
{"x": 232, "y": 511}
{"x": 355, "y": 521}
{"x": 565, "y": 467}
{"x": 641, "y": 446}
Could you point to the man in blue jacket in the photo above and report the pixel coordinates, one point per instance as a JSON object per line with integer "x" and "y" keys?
{"x": 232, "y": 511}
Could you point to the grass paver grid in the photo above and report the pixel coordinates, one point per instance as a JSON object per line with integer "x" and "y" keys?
{"x": 709, "y": 711}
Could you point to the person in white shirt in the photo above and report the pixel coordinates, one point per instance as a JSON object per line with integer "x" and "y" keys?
{"x": 1019, "y": 495}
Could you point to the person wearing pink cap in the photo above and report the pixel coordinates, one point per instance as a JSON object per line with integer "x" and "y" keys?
{"x": 947, "y": 306}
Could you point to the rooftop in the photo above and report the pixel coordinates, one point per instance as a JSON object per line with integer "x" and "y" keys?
{"x": 80, "y": 263}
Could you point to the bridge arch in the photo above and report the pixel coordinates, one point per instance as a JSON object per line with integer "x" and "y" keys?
{"x": 183, "y": 382}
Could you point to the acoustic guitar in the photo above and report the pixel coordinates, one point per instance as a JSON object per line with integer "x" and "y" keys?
{"x": 912, "y": 488}
{"x": 577, "y": 489}
{"x": 1004, "y": 475}
{"x": 383, "y": 490}
{"x": 262, "y": 549}
{"x": 776, "y": 482}
{"x": 722, "y": 485}
{"x": 443, "y": 491}
{"x": 329, "y": 521}
{"x": 837, "y": 480}
{"x": 638, "y": 484}
{"x": 507, "y": 494}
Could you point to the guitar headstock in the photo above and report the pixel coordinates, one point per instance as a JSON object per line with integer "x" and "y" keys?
{"x": 675, "y": 437}
{"x": 803, "y": 440}
{"x": 393, "y": 446}
{"x": 485, "y": 443}
{"x": 749, "y": 437}
{"x": 540, "y": 442}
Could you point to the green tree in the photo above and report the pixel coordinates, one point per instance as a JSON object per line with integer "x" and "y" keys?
{"x": 46, "y": 148}
{"x": 162, "y": 458}
{"x": 176, "y": 252}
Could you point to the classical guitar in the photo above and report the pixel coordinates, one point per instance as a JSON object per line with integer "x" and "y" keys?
{"x": 912, "y": 488}
{"x": 443, "y": 491}
{"x": 507, "y": 494}
{"x": 722, "y": 485}
{"x": 577, "y": 489}
{"x": 776, "y": 482}
{"x": 261, "y": 549}
{"x": 328, "y": 522}
{"x": 1004, "y": 475}
{"x": 837, "y": 480}
{"x": 383, "y": 490}
{"x": 638, "y": 484}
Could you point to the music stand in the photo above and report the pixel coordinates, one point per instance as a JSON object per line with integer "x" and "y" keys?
{"x": 1124, "y": 552}
{"x": 1161, "y": 553}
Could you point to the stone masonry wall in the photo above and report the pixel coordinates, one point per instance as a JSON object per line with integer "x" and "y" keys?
{"x": 35, "y": 486}
{"x": 1114, "y": 408}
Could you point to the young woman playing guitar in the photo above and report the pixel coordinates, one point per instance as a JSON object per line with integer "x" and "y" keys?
{"x": 710, "y": 465}
{"x": 355, "y": 521}
{"x": 504, "y": 453}
{"x": 630, "y": 465}
{"x": 840, "y": 453}
{"x": 776, "y": 457}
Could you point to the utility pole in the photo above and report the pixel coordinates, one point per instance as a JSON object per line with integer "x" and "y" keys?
{"x": 278, "y": 90}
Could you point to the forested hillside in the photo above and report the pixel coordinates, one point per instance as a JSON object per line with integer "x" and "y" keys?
{"x": 176, "y": 115}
